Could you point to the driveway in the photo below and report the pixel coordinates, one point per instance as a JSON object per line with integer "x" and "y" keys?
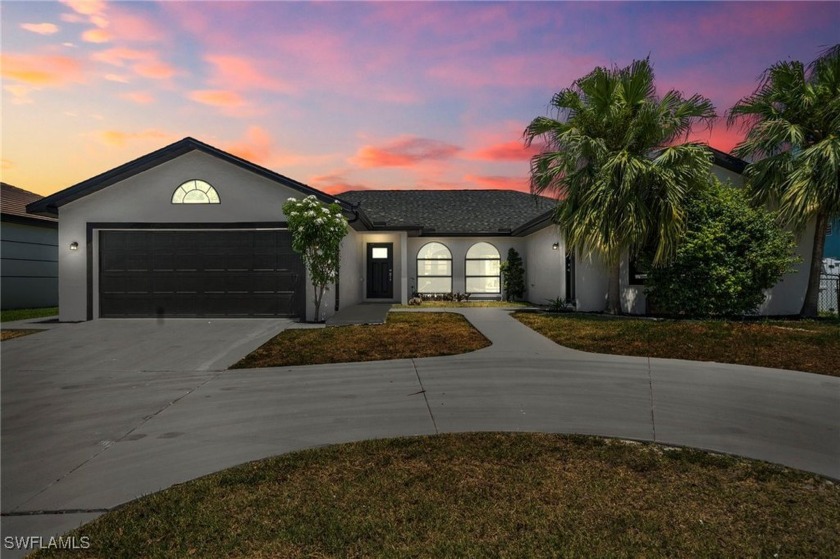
{"x": 99, "y": 413}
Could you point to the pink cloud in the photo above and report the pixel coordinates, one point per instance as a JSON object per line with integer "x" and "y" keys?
{"x": 40, "y": 28}
{"x": 85, "y": 7}
{"x": 334, "y": 184}
{"x": 513, "y": 150}
{"x": 217, "y": 98}
{"x": 118, "y": 56}
{"x": 404, "y": 152}
{"x": 139, "y": 97}
{"x": 243, "y": 74}
{"x": 257, "y": 146}
{"x": 133, "y": 27}
{"x": 41, "y": 69}
{"x": 499, "y": 183}
{"x": 96, "y": 35}
{"x": 154, "y": 69}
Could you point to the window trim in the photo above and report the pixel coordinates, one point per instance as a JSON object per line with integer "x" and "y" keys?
{"x": 497, "y": 276}
{"x": 419, "y": 275}
{"x": 194, "y": 186}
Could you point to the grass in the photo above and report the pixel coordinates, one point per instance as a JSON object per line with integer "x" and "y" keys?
{"x": 23, "y": 314}
{"x": 463, "y": 305}
{"x": 403, "y": 336}
{"x": 12, "y": 334}
{"x": 481, "y": 495}
{"x": 807, "y": 345}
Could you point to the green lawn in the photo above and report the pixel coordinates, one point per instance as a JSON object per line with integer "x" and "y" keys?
{"x": 801, "y": 345}
{"x": 23, "y": 314}
{"x": 481, "y": 495}
{"x": 403, "y": 336}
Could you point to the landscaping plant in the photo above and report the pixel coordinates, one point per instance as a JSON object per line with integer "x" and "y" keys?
{"x": 730, "y": 254}
{"x": 317, "y": 231}
{"x": 513, "y": 276}
{"x": 613, "y": 157}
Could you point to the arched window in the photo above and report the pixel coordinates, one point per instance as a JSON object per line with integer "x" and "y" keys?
{"x": 434, "y": 269}
{"x": 195, "y": 192}
{"x": 483, "y": 269}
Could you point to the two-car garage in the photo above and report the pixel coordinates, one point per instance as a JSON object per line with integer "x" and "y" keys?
{"x": 206, "y": 273}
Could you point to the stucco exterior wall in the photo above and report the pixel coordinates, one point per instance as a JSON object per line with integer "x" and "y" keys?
{"x": 29, "y": 264}
{"x": 591, "y": 282}
{"x": 787, "y": 296}
{"x": 459, "y": 246}
{"x": 545, "y": 272}
{"x": 146, "y": 198}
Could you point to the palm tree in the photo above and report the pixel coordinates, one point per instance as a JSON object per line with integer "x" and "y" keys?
{"x": 613, "y": 161}
{"x": 793, "y": 123}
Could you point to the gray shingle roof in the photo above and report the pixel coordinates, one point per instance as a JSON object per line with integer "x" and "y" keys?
{"x": 13, "y": 201}
{"x": 450, "y": 211}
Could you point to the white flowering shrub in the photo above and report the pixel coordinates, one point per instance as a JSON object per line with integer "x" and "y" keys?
{"x": 317, "y": 231}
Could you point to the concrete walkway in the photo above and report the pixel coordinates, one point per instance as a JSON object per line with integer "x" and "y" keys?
{"x": 365, "y": 313}
{"x": 79, "y": 441}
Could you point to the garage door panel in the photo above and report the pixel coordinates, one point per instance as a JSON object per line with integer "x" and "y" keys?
{"x": 199, "y": 273}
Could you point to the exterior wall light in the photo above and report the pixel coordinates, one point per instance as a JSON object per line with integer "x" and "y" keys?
{"x": 555, "y": 246}
{"x": 74, "y": 246}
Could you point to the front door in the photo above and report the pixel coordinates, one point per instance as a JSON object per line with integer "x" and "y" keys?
{"x": 380, "y": 271}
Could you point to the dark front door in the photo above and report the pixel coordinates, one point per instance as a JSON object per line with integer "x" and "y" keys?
{"x": 380, "y": 271}
{"x": 199, "y": 274}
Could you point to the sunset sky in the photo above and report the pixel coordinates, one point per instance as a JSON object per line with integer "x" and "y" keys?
{"x": 345, "y": 95}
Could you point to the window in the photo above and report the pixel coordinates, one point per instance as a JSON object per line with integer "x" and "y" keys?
{"x": 195, "y": 192}
{"x": 434, "y": 269}
{"x": 483, "y": 269}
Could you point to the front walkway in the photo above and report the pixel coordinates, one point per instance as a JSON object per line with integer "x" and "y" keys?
{"x": 78, "y": 441}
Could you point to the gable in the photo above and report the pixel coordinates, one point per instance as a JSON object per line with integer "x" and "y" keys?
{"x": 49, "y": 206}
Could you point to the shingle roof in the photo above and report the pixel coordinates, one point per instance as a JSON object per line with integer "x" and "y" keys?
{"x": 451, "y": 211}
{"x": 13, "y": 201}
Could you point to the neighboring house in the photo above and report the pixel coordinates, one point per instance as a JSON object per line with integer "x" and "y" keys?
{"x": 832, "y": 239}
{"x": 190, "y": 230}
{"x": 29, "y": 252}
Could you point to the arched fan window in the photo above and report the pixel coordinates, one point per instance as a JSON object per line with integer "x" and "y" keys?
{"x": 195, "y": 192}
{"x": 483, "y": 269}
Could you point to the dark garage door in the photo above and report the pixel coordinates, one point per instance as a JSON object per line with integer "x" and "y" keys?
{"x": 199, "y": 273}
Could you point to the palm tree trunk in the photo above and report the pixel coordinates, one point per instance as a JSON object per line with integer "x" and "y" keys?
{"x": 614, "y": 290}
{"x": 810, "y": 307}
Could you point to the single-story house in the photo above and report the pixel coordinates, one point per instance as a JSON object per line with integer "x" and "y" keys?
{"x": 190, "y": 230}
{"x": 29, "y": 252}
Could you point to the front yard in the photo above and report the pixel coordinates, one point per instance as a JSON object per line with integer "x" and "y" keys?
{"x": 481, "y": 495}
{"x": 806, "y": 345}
{"x": 403, "y": 336}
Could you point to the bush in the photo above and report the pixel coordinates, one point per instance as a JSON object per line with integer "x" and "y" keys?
{"x": 513, "y": 276}
{"x": 731, "y": 253}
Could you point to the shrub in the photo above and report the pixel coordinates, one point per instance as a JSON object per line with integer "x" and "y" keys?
{"x": 513, "y": 276}
{"x": 730, "y": 254}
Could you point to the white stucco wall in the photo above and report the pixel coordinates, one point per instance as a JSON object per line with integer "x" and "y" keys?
{"x": 545, "y": 272}
{"x": 787, "y": 296}
{"x": 591, "y": 282}
{"x": 146, "y": 198}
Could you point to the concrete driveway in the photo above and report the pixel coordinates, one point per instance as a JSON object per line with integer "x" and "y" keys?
{"x": 99, "y": 413}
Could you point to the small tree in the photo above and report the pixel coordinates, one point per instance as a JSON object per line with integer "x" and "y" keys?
{"x": 317, "y": 231}
{"x": 730, "y": 254}
{"x": 513, "y": 276}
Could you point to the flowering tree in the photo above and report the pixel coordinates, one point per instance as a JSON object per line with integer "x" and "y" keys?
{"x": 317, "y": 231}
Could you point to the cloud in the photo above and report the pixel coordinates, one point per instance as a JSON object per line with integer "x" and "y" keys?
{"x": 244, "y": 74}
{"x": 404, "y": 152}
{"x": 217, "y": 98}
{"x": 118, "y": 138}
{"x": 41, "y": 69}
{"x": 334, "y": 183}
{"x": 513, "y": 150}
{"x": 144, "y": 63}
{"x": 85, "y": 7}
{"x": 96, "y": 35}
{"x": 40, "y": 28}
{"x": 139, "y": 97}
{"x": 257, "y": 146}
{"x": 20, "y": 93}
{"x": 499, "y": 183}
{"x": 116, "y": 78}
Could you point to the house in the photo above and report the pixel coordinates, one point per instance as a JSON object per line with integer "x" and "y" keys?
{"x": 190, "y": 230}
{"x": 832, "y": 239}
{"x": 29, "y": 252}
